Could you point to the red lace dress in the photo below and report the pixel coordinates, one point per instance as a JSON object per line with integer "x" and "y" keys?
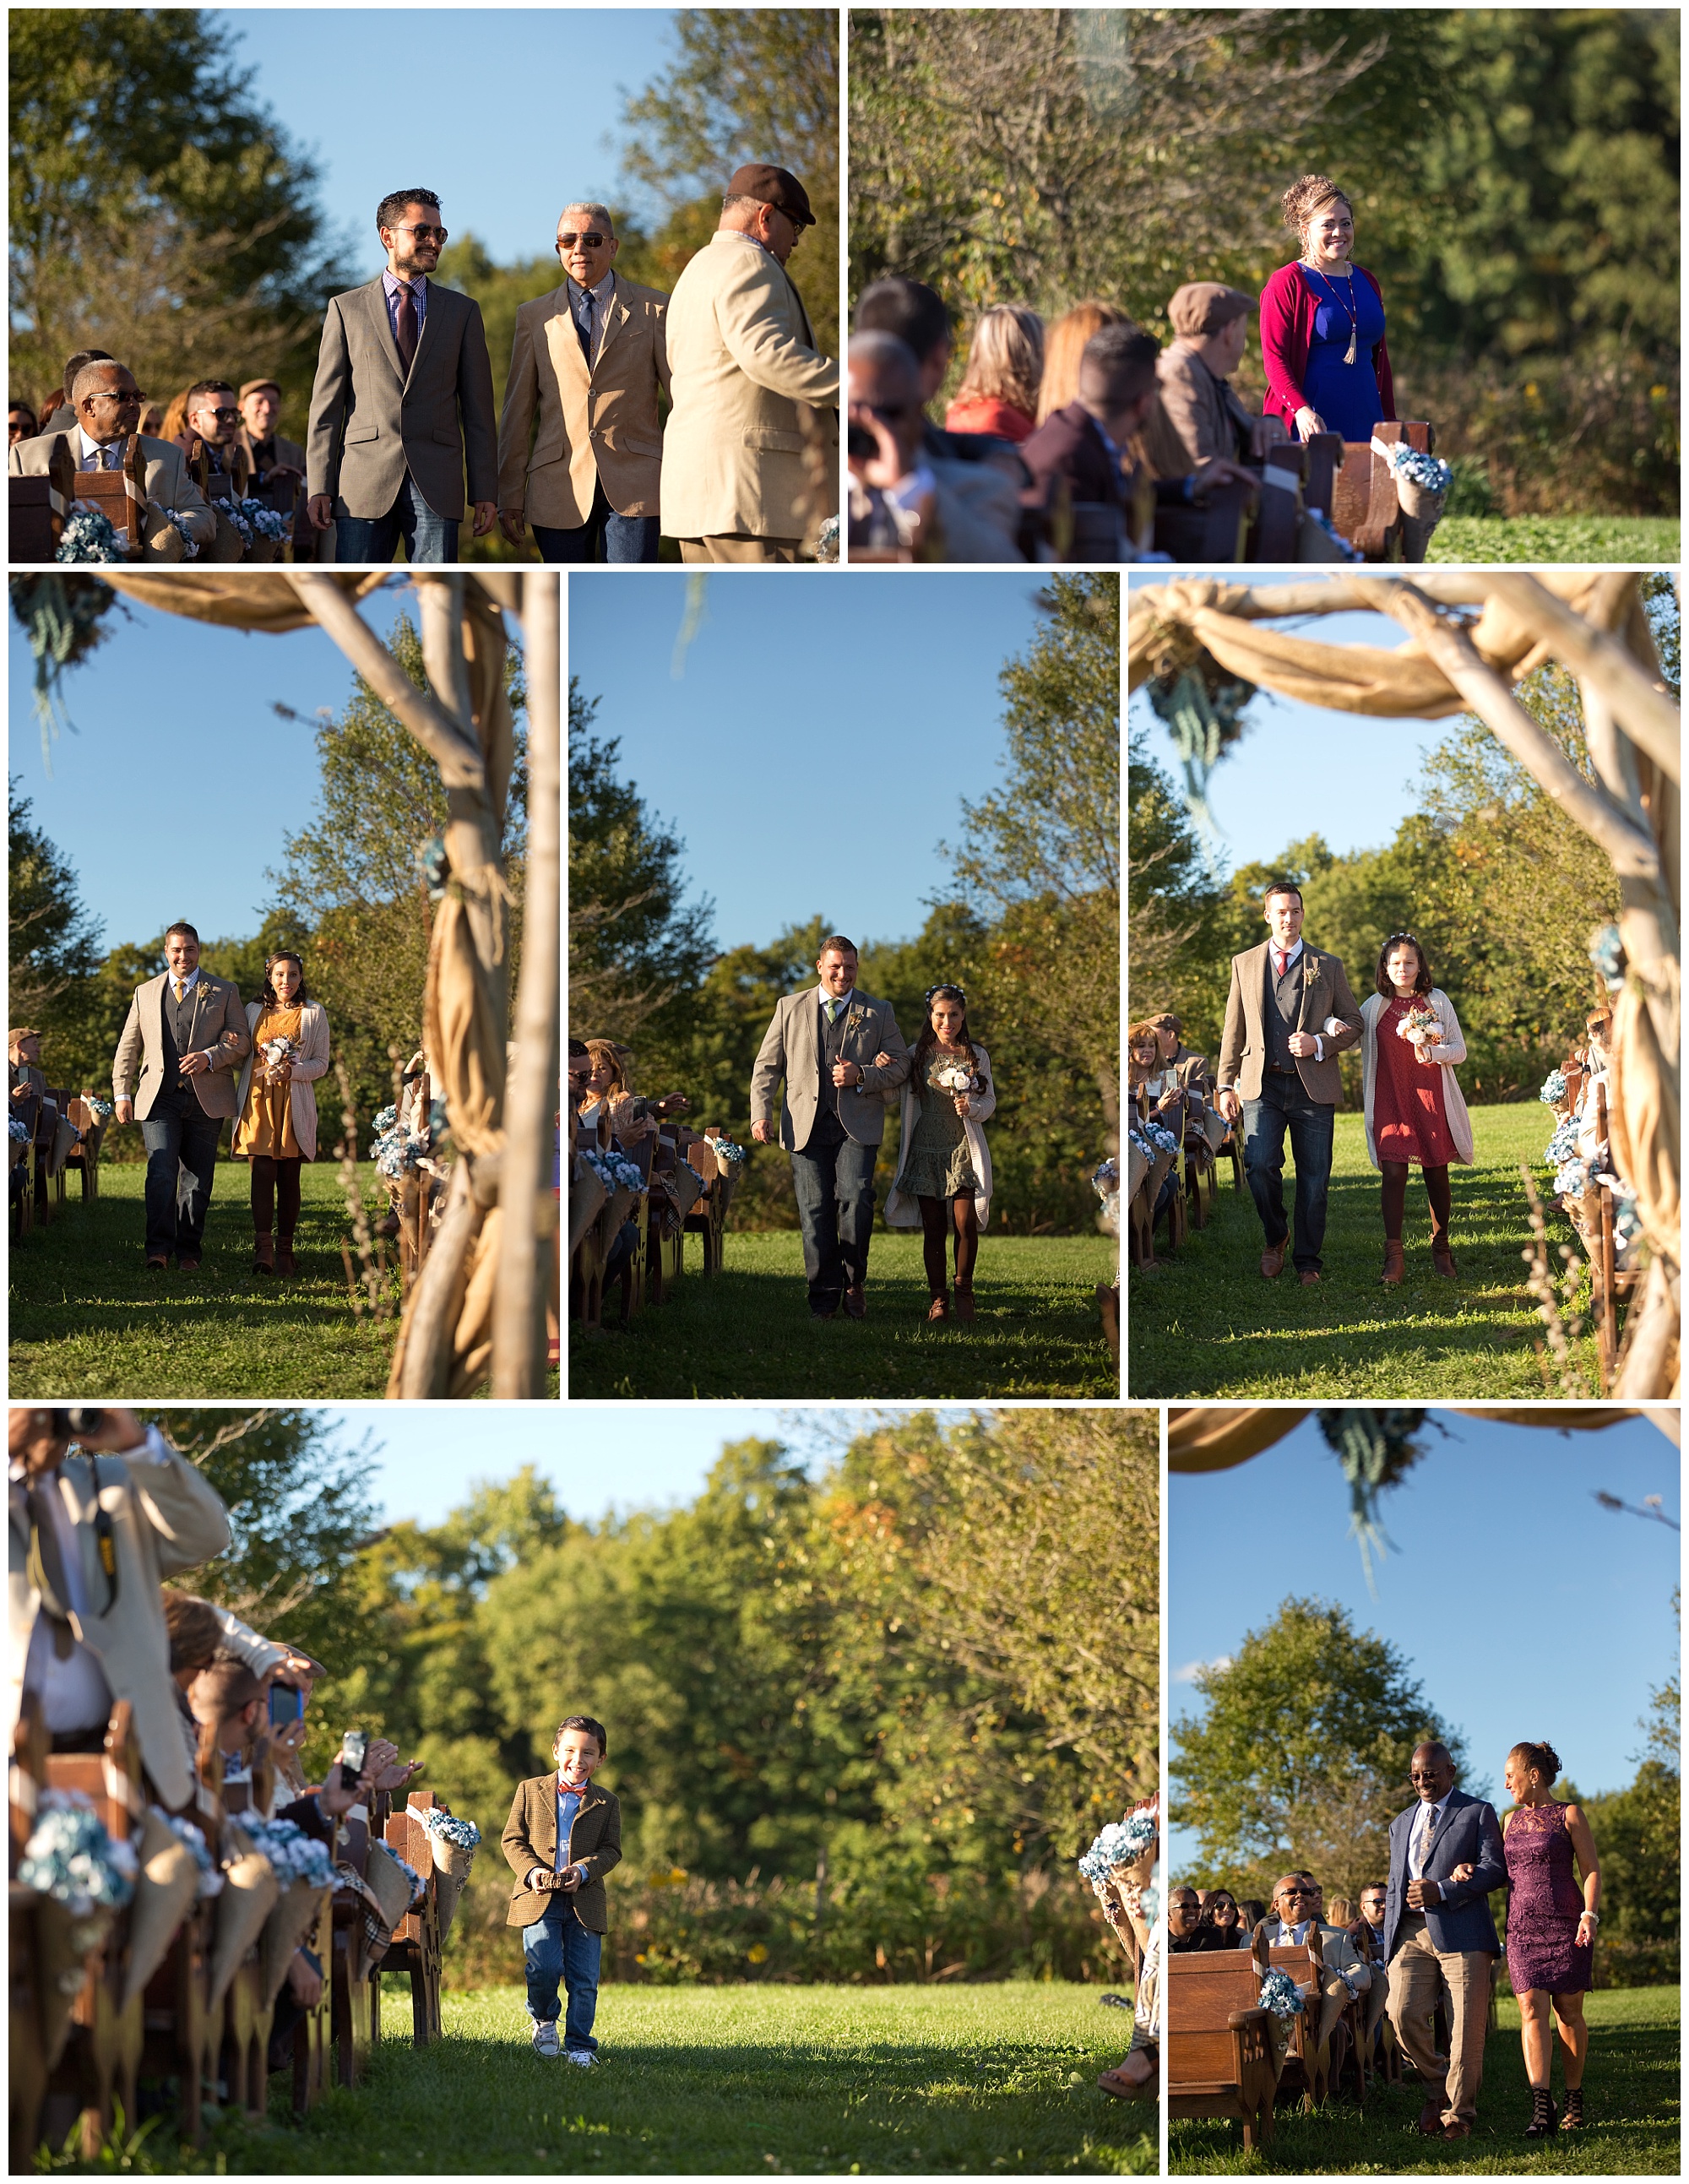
{"x": 1408, "y": 1120}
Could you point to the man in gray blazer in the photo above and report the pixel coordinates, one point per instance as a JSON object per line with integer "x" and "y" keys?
{"x": 402, "y": 398}
{"x": 188, "y": 1032}
{"x": 824, "y": 1041}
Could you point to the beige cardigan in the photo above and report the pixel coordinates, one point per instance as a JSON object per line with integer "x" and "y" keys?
{"x": 1452, "y": 1050}
{"x": 903, "y": 1211}
{"x": 311, "y": 1063}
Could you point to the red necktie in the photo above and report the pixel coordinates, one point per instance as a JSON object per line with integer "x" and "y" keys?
{"x": 405, "y": 333}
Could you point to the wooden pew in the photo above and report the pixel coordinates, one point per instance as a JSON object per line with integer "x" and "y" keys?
{"x": 1213, "y": 529}
{"x": 1303, "y": 2071}
{"x": 1217, "y": 2040}
{"x": 182, "y": 2034}
{"x": 709, "y": 1215}
{"x": 1365, "y": 507}
{"x": 633, "y": 1275}
{"x": 313, "y": 2034}
{"x": 416, "y": 1946}
{"x": 356, "y": 2006}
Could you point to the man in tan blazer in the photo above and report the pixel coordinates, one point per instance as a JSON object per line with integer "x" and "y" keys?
{"x": 1210, "y": 335}
{"x": 590, "y": 359}
{"x": 742, "y": 359}
{"x": 562, "y": 1837}
{"x": 824, "y": 1041}
{"x": 188, "y": 1032}
{"x": 94, "y": 1526}
{"x": 108, "y": 406}
{"x": 403, "y": 401}
{"x": 1289, "y": 1015}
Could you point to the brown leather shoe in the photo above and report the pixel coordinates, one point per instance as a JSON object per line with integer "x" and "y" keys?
{"x": 1457, "y": 2130}
{"x": 264, "y": 1255}
{"x": 157, "y": 1266}
{"x": 284, "y": 1256}
{"x": 1273, "y": 1258}
{"x": 1309, "y": 1277}
{"x": 937, "y": 1310}
{"x": 1443, "y": 1260}
{"x": 964, "y": 1304}
{"x": 1430, "y": 2123}
{"x": 188, "y": 1265}
{"x": 856, "y": 1304}
{"x": 1394, "y": 1265}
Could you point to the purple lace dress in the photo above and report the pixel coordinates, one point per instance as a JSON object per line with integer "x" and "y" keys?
{"x": 1544, "y": 1904}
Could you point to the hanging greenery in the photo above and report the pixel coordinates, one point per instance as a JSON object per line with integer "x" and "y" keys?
{"x": 1377, "y": 1449}
{"x": 60, "y": 612}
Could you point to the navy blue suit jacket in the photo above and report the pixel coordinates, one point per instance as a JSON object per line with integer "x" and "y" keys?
{"x": 1468, "y": 1833}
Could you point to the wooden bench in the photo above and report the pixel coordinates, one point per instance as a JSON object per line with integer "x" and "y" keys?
{"x": 417, "y": 1942}
{"x": 708, "y": 1219}
{"x": 40, "y": 505}
{"x": 354, "y": 1982}
{"x": 1364, "y": 506}
{"x": 1217, "y": 2040}
{"x": 1305, "y": 2071}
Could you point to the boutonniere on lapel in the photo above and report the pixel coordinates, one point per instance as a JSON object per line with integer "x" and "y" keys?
{"x": 855, "y": 1019}
{"x": 1310, "y": 968}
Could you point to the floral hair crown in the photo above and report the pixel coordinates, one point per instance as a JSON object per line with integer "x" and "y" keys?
{"x": 947, "y": 988}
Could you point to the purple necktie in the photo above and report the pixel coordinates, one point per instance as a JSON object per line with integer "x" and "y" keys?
{"x": 405, "y": 332}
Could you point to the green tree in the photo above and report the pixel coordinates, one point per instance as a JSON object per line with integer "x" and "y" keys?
{"x": 1301, "y": 1751}
{"x": 157, "y": 210}
{"x": 1172, "y": 896}
{"x": 53, "y": 940}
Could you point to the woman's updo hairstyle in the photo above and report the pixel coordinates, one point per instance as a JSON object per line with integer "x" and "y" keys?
{"x": 1305, "y": 197}
{"x": 1543, "y": 1756}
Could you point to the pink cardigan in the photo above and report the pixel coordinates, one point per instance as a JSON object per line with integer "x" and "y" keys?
{"x": 1287, "y": 309}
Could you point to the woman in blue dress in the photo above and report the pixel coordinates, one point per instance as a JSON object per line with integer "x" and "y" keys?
{"x": 1322, "y": 325}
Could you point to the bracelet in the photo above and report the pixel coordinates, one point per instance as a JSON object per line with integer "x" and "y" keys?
{"x": 1594, "y": 1917}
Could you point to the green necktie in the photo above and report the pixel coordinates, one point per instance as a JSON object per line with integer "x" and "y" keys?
{"x": 832, "y": 1009}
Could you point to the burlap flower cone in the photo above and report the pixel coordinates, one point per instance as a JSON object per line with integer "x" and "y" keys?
{"x": 447, "y": 1887}
{"x": 250, "y": 1889}
{"x": 64, "y": 1944}
{"x": 164, "y": 1891}
{"x": 291, "y": 1923}
{"x": 452, "y": 1859}
{"x": 387, "y": 1884}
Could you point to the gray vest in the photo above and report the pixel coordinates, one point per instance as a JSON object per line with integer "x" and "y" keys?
{"x": 831, "y": 1042}
{"x": 1282, "y": 1000}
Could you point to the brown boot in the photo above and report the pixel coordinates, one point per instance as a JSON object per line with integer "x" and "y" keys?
{"x": 964, "y": 1304}
{"x": 1441, "y": 1257}
{"x": 937, "y": 1310}
{"x": 1394, "y": 1267}
{"x": 264, "y": 1255}
{"x": 284, "y": 1256}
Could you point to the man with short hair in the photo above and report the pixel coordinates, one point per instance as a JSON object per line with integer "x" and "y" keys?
{"x": 914, "y": 491}
{"x": 822, "y": 1041}
{"x": 58, "y": 414}
{"x": 106, "y": 404}
{"x": 562, "y": 1837}
{"x": 188, "y": 1032}
{"x": 403, "y": 401}
{"x": 743, "y": 365}
{"x": 269, "y": 455}
{"x": 1296, "y": 1918}
{"x": 1368, "y": 1936}
{"x": 1289, "y": 1015}
{"x": 1185, "y": 1931}
{"x": 212, "y": 418}
{"x": 1439, "y": 1938}
{"x": 1210, "y": 329}
{"x": 589, "y": 361}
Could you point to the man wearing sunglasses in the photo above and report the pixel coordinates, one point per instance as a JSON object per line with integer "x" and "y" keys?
{"x": 588, "y": 360}
{"x": 737, "y": 483}
{"x": 1294, "y": 1920}
{"x": 212, "y": 420}
{"x": 403, "y": 401}
{"x": 107, "y": 403}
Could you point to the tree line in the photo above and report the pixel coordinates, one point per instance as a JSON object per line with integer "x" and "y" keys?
{"x": 1504, "y": 890}
{"x": 863, "y": 1718}
{"x": 347, "y": 893}
{"x": 1514, "y": 174}
{"x": 1030, "y": 930}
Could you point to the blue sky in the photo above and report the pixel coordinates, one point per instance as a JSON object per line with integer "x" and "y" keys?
{"x": 167, "y": 705}
{"x": 819, "y": 743}
{"x": 1302, "y": 770}
{"x": 1525, "y": 1609}
{"x": 505, "y": 112}
{"x": 425, "y": 1457}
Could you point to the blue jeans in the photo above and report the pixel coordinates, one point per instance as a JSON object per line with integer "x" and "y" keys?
{"x": 604, "y": 536}
{"x": 834, "y": 1178}
{"x": 1284, "y": 1103}
{"x": 178, "y": 1131}
{"x": 372, "y": 538}
{"x": 558, "y": 1946}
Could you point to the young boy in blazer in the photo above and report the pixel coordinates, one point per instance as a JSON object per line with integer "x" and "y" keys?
{"x": 562, "y": 1837}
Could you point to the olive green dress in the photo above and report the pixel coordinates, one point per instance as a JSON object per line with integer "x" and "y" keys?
{"x": 938, "y": 1166}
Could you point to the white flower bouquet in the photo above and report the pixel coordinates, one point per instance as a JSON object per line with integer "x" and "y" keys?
{"x": 276, "y": 1051}
{"x": 1553, "y": 1088}
{"x": 253, "y": 521}
{"x": 1421, "y": 1024}
{"x": 210, "y": 1879}
{"x": 295, "y": 1856}
{"x": 955, "y": 1078}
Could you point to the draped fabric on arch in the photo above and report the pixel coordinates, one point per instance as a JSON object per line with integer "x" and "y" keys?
{"x": 1216, "y": 1436}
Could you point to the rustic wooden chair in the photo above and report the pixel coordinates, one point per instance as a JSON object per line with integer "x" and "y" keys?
{"x": 416, "y": 1946}
{"x": 1217, "y": 2041}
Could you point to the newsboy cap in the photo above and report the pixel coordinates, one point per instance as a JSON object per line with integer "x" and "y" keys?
{"x": 774, "y": 187}
{"x": 253, "y": 385}
{"x": 1201, "y": 308}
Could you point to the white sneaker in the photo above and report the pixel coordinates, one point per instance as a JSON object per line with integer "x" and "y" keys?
{"x": 584, "y": 2056}
{"x": 545, "y": 2041}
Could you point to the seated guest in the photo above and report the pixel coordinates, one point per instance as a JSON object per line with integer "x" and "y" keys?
{"x": 28, "y": 1078}
{"x": 1211, "y": 328}
{"x": 20, "y": 423}
{"x": 892, "y": 495}
{"x": 1064, "y": 343}
{"x": 108, "y": 409}
{"x": 270, "y": 456}
{"x": 211, "y": 427}
{"x": 1185, "y": 1931}
{"x": 1294, "y": 1921}
{"x": 1156, "y": 1091}
{"x": 1366, "y": 1931}
{"x": 999, "y": 390}
{"x": 1250, "y": 1911}
{"x": 918, "y": 317}
{"x": 58, "y": 413}
{"x": 175, "y": 417}
{"x": 1221, "y": 1912}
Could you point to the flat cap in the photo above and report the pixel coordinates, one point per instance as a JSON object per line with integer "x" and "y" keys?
{"x": 253, "y": 385}
{"x": 774, "y": 187}
{"x": 1201, "y": 308}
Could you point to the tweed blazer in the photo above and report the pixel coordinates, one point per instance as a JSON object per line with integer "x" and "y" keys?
{"x": 742, "y": 357}
{"x": 1324, "y": 994}
{"x": 289, "y": 454}
{"x": 164, "y": 1519}
{"x": 791, "y": 1048}
{"x": 370, "y": 423}
{"x": 597, "y": 424}
{"x": 308, "y": 1065}
{"x": 219, "y": 1026}
{"x": 530, "y": 1840}
{"x": 162, "y": 477}
{"x": 1203, "y": 409}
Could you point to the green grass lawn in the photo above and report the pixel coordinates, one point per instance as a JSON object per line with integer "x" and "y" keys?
{"x": 763, "y": 2081}
{"x": 1630, "y": 2094}
{"x": 747, "y": 1330}
{"x": 1652, "y": 540}
{"x": 1205, "y": 1324}
{"x": 86, "y": 1318}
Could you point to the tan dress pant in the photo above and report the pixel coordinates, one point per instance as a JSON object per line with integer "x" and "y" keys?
{"x": 739, "y": 546}
{"x": 1419, "y": 1974}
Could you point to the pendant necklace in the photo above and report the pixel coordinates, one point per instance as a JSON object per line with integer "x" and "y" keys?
{"x": 1354, "y": 316}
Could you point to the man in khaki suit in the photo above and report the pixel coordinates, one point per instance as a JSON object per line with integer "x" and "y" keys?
{"x": 95, "y": 1523}
{"x": 1289, "y": 1015}
{"x": 822, "y": 1041}
{"x": 107, "y": 406}
{"x": 742, "y": 359}
{"x": 1294, "y": 1920}
{"x": 562, "y": 1837}
{"x": 590, "y": 358}
{"x": 188, "y": 1032}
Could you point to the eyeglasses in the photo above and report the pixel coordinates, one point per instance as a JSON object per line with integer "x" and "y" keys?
{"x": 421, "y": 233}
{"x": 586, "y": 241}
{"x": 223, "y": 416}
{"x": 119, "y": 394}
{"x": 1296, "y": 1895}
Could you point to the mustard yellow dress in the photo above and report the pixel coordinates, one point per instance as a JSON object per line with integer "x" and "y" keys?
{"x": 265, "y": 1127}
